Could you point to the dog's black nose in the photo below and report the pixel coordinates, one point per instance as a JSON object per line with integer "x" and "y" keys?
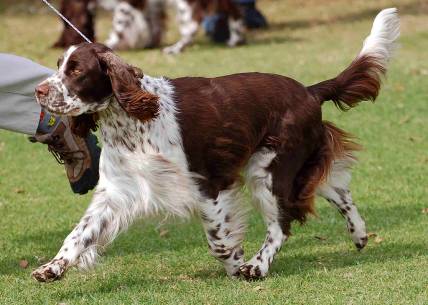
{"x": 42, "y": 90}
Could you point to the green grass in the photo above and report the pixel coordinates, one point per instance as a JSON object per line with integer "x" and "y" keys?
{"x": 310, "y": 41}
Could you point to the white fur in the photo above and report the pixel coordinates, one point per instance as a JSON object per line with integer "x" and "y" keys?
{"x": 154, "y": 173}
{"x": 66, "y": 56}
{"x": 143, "y": 171}
{"x": 187, "y": 25}
{"x": 259, "y": 181}
{"x": 108, "y": 5}
{"x": 237, "y": 30}
{"x": 226, "y": 217}
{"x": 130, "y": 28}
{"x": 336, "y": 191}
{"x": 385, "y": 31}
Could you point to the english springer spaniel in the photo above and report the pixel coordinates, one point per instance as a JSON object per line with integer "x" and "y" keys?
{"x": 181, "y": 145}
{"x": 141, "y": 23}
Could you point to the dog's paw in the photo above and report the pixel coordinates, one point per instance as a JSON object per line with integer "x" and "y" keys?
{"x": 51, "y": 271}
{"x": 361, "y": 242}
{"x": 234, "y": 42}
{"x": 172, "y": 50}
{"x": 251, "y": 272}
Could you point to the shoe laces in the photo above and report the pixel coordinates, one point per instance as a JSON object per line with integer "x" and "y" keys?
{"x": 63, "y": 155}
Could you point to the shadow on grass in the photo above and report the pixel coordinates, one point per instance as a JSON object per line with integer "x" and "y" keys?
{"x": 138, "y": 239}
{"x": 145, "y": 240}
{"x": 274, "y": 39}
{"x": 47, "y": 243}
{"x": 284, "y": 267}
{"x": 330, "y": 260}
{"x": 415, "y": 8}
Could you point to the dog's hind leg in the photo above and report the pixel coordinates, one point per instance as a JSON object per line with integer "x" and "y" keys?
{"x": 223, "y": 219}
{"x": 336, "y": 191}
{"x": 99, "y": 226}
{"x": 259, "y": 182}
{"x": 283, "y": 184}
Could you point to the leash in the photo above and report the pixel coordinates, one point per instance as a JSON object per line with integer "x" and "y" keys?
{"x": 66, "y": 20}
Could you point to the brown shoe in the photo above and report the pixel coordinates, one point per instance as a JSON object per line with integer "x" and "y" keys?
{"x": 80, "y": 156}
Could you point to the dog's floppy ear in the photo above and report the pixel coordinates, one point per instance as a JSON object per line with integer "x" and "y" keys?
{"x": 127, "y": 89}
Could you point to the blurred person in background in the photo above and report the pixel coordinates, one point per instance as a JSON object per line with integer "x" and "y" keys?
{"x": 253, "y": 18}
{"x": 216, "y": 26}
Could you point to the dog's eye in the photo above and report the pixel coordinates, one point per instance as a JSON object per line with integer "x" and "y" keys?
{"x": 75, "y": 72}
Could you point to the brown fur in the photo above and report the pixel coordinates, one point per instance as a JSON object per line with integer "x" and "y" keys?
{"x": 223, "y": 121}
{"x": 139, "y": 4}
{"x": 359, "y": 82}
{"x": 79, "y": 14}
{"x": 157, "y": 22}
{"x": 206, "y": 7}
{"x": 336, "y": 144}
{"x": 127, "y": 90}
{"x": 81, "y": 125}
{"x": 242, "y": 113}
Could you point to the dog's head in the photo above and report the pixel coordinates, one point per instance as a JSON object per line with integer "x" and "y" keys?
{"x": 88, "y": 77}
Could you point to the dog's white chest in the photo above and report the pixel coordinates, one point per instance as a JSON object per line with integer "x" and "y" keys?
{"x": 144, "y": 164}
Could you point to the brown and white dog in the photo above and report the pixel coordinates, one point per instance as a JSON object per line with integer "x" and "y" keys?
{"x": 137, "y": 24}
{"x": 141, "y": 23}
{"x": 181, "y": 145}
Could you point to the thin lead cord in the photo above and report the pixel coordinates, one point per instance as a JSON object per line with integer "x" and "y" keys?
{"x": 66, "y": 20}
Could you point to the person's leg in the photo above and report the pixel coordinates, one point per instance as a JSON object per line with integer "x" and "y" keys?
{"x": 252, "y": 16}
{"x": 218, "y": 28}
{"x": 19, "y": 112}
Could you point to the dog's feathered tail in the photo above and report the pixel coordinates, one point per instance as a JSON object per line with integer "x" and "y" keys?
{"x": 362, "y": 79}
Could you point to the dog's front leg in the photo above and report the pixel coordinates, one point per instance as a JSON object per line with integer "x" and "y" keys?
{"x": 103, "y": 220}
{"x": 223, "y": 219}
{"x": 237, "y": 32}
{"x": 188, "y": 27}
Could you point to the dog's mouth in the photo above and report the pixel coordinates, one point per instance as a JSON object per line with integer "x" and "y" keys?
{"x": 58, "y": 107}
{"x": 59, "y": 111}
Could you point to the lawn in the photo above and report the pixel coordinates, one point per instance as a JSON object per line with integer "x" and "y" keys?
{"x": 310, "y": 41}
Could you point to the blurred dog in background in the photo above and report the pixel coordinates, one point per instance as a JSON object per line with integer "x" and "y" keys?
{"x": 81, "y": 13}
{"x": 141, "y": 23}
{"x": 137, "y": 24}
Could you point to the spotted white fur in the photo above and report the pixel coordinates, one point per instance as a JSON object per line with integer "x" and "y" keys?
{"x": 259, "y": 182}
{"x": 224, "y": 223}
{"x": 187, "y": 25}
{"x": 130, "y": 28}
{"x": 143, "y": 171}
{"x": 336, "y": 191}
